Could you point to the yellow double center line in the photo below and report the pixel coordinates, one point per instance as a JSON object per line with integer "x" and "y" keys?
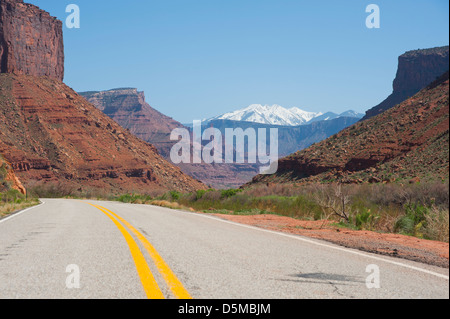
{"x": 148, "y": 281}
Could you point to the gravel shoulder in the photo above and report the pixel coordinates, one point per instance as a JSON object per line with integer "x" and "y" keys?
{"x": 395, "y": 245}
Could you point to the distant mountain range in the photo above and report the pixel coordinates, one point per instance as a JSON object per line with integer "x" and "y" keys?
{"x": 127, "y": 106}
{"x": 290, "y": 138}
{"x": 407, "y": 143}
{"x": 298, "y": 129}
{"x": 278, "y": 115}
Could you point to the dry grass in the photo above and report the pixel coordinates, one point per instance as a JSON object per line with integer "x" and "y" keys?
{"x": 7, "y": 209}
{"x": 438, "y": 224}
{"x": 167, "y": 204}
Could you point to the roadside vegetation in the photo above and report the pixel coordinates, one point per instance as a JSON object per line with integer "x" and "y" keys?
{"x": 419, "y": 210}
{"x": 12, "y": 200}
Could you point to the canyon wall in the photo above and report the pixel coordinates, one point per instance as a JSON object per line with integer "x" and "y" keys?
{"x": 31, "y": 41}
{"x": 416, "y": 69}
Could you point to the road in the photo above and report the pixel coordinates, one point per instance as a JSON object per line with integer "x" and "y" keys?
{"x": 68, "y": 249}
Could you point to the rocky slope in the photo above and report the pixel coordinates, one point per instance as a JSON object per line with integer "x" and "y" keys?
{"x": 409, "y": 142}
{"x": 128, "y": 107}
{"x": 51, "y": 134}
{"x": 416, "y": 69}
{"x": 31, "y": 41}
{"x": 8, "y": 179}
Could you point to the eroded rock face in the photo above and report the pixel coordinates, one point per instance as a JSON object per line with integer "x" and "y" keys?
{"x": 31, "y": 41}
{"x": 416, "y": 70}
{"x": 51, "y": 135}
{"x": 127, "y": 106}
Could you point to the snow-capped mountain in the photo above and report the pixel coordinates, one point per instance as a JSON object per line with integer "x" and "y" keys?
{"x": 278, "y": 115}
{"x": 331, "y": 116}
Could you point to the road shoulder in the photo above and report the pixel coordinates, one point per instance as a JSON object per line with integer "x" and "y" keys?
{"x": 395, "y": 245}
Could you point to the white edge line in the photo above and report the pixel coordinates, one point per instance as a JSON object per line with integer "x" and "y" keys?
{"x": 21, "y": 212}
{"x": 328, "y": 246}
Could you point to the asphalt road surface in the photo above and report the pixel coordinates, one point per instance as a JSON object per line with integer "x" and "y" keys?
{"x": 67, "y": 249}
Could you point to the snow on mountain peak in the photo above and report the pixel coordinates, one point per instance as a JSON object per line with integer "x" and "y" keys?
{"x": 277, "y": 115}
{"x": 270, "y": 114}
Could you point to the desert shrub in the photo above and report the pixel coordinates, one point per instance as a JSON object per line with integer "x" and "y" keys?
{"x": 134, "y": 199}
{"x": 126, "y": 198}
{"x": 166, "y": 204}
{"x": 174, "y": 195}
{"x": 437, "y": 224}
{"x": 3, "y": 172}
{"x": 200, "y": 194}
{"x": 12, "y": 196}
{"x": 227, "y": 193}
{"x": 335, "y": 201}
{"x": 293, "y": 206}
{"x": 51, "y": 190}
{"x": 245, "y": 212}
{"x": 365, "y": 219}
{"x": 280, "y": 190}
{"x": 427, "y": 194}
{"x": 414, "y": 221}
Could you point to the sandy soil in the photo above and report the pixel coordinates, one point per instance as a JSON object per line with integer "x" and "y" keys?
{"x": 426, "y": 251}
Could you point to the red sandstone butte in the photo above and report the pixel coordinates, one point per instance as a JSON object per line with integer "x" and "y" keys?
{"x": 31, "y": 41}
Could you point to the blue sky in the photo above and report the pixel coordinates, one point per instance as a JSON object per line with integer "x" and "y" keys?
{"x": 200, "y": 58}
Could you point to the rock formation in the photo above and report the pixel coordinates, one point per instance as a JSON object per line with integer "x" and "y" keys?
{"x": 8, "y": 179}
{"x": 407, "y": 142}
{"x": 51, "y": 135}
{"x": 416, "y": 69}
{"x": 128, "y": 107}
{"x": 31, "y": 41}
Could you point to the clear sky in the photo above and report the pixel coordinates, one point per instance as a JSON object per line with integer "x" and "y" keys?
{"x": 200, "y": 58}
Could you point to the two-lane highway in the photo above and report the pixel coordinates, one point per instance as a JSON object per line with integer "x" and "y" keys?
{"x": 92, "y": 249}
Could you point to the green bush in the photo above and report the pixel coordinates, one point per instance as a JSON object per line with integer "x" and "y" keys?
{"x": 200, "y": 194}
{"x": 3, "y": 172}
{"x": 365, "y": 219}
{"x": 174, "y": 195}
{"x": 126, "y": 198}
{"x": 227, "y": 193}
{"x": 133, "y": 198}
{"x": 414, "y": 221}
{"x": 12, "y": 196}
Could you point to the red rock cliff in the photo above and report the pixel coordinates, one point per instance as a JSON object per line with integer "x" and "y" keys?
{"x": 31, "y": 41}
{"x": 416, "y": 69}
